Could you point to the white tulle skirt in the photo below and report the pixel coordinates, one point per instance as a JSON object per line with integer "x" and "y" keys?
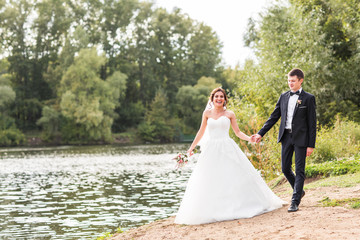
{"x": 224, "y": 185}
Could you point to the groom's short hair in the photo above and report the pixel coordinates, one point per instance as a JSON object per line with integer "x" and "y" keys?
{"x": 296, "y": 72}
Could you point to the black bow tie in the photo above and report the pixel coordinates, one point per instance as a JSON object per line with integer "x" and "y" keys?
{"x": 297, "y": 93}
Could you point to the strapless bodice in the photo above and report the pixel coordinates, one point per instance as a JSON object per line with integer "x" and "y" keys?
{"x": 218, "y": 128}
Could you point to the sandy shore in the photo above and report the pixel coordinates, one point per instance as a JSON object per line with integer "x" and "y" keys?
{"x": 311, "y": 222}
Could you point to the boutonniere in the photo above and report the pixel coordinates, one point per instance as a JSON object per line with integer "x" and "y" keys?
{"x": 298, "y": 102}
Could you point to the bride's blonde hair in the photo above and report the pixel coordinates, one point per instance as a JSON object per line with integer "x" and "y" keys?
{"x": 218, "y": 89}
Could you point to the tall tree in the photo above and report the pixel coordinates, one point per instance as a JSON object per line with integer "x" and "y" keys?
{"x": 319, "y": 38}
{"x": 192, "y": 101}
{"x": 9, "y": 134}
{"x": 86, "y": 100}
{"x": 159, "y": 125}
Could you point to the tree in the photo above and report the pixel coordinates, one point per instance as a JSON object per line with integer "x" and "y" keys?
{"x": 9, "y": 134}
{"x": 192, "y": 101}
{"x": 32, "y": 32}
{"x": 159, "y": 125}
{"x": 86, "y": 100}
{"x": 318, "y": 37}
{"x": 152, "y": 47}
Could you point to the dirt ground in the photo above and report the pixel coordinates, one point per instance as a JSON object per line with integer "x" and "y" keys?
{"x": 312, "y": 221}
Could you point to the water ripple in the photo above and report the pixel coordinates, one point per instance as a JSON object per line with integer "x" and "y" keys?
{"x": 79, "y": 192}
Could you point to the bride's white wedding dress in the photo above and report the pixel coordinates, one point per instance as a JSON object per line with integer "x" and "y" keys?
{"x": 224, "y": 185}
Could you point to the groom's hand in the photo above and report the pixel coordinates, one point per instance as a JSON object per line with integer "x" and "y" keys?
{"x": 309, "y": 151}
{"x": 256, "y": 138}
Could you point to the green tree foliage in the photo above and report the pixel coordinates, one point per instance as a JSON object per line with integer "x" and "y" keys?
{"x": 168, "y": 50}
{"x": 321, "y": 37}
{"x": 9, "y": 134}
{"x": 78, "y": 40}
{"x": 50, "y": 122}
{"x": 87, "y": 100}
{"x": 192, "y": 101}
{"x": 32, "y": 33}
{"x": 152, "y": 47}
{"x": 159, "y": 125}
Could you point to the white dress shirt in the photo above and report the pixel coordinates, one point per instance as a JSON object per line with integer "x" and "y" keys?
{"x": 290, "y": 109}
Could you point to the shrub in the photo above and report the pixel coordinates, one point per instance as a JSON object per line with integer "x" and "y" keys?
{"x": 9, "y": 134}
{"x": 342, "y": 140}
{"x": 264, "y": 156}
{"x": 336, "y": 142}
{"x": 159, "y": 125}
{"x": 11, "y": 137}
{"x": 147, "y": 132}
{"x": 334, "y": 168}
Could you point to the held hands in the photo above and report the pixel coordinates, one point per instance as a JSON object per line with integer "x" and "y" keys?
{"x": 255, "y": 138}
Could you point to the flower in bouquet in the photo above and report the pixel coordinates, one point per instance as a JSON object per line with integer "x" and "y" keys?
{"x": 183, "y": 158}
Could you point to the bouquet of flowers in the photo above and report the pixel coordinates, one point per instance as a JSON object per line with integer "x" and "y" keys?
{"x": 182, "y": 158}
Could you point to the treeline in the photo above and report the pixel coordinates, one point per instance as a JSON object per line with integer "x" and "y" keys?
{"x": 322, "y": 37}
{"x": 82, "y": 70}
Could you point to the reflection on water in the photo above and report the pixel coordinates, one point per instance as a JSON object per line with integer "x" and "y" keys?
{"x": 80, "y": 192}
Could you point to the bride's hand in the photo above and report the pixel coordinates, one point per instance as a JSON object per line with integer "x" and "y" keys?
{"x": 189, "y": 152}
{"x": 255, "y": 138}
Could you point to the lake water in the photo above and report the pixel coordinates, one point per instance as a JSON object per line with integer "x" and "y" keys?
{"x": 81, "y": 192}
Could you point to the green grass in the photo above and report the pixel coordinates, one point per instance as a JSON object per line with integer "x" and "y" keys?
{"x": 107, "y": 235}
{"x": 343, "y": 181}
{"x": 348, "y": 202}
{"x": 347, "y": 180}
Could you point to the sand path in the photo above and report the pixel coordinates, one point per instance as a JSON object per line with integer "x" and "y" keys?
{"x": 312, "y": 221}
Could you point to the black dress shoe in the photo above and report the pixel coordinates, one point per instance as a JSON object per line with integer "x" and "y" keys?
{"x": 293, "y": 207}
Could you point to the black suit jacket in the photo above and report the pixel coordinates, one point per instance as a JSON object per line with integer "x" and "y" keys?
{"x": 303, "y": 123}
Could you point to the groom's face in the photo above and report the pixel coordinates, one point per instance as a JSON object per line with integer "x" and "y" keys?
{"x": 294, "y": 83}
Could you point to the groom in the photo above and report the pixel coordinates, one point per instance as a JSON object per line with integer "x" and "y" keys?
{"x": 297, "y": 132}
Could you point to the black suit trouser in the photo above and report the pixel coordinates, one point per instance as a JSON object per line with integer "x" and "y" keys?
{"x": 296, "y": 180}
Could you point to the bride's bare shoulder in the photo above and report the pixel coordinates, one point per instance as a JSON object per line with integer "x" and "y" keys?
{"x": 229, "y": 113}
{"x": 207, "y": 112}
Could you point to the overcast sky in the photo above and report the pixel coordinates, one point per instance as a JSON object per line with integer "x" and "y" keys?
{"x": 228, "y": 18}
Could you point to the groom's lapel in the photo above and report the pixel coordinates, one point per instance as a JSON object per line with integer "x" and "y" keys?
{"x": 286, "y": 102}
{"x": 297, "y": 102}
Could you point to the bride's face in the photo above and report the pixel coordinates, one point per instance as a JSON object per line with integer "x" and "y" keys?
{"x": 218, "y": 99}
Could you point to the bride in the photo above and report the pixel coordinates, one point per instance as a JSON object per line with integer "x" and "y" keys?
{"x": 224, "y": 185}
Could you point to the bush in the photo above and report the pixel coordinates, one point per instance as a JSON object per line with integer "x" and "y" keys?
{"x": 50, "y": 122}
{"x": 159, "y": 124}
{"x": 264, "y": 156}
{"x": 147, "y": 132}
{"x": 342, "y": 140}
{"x": 334, "y": 168}
{"x": 9, "y": 134}
{"x": 11, "y": 137}
{"x": 336, "y": 142}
